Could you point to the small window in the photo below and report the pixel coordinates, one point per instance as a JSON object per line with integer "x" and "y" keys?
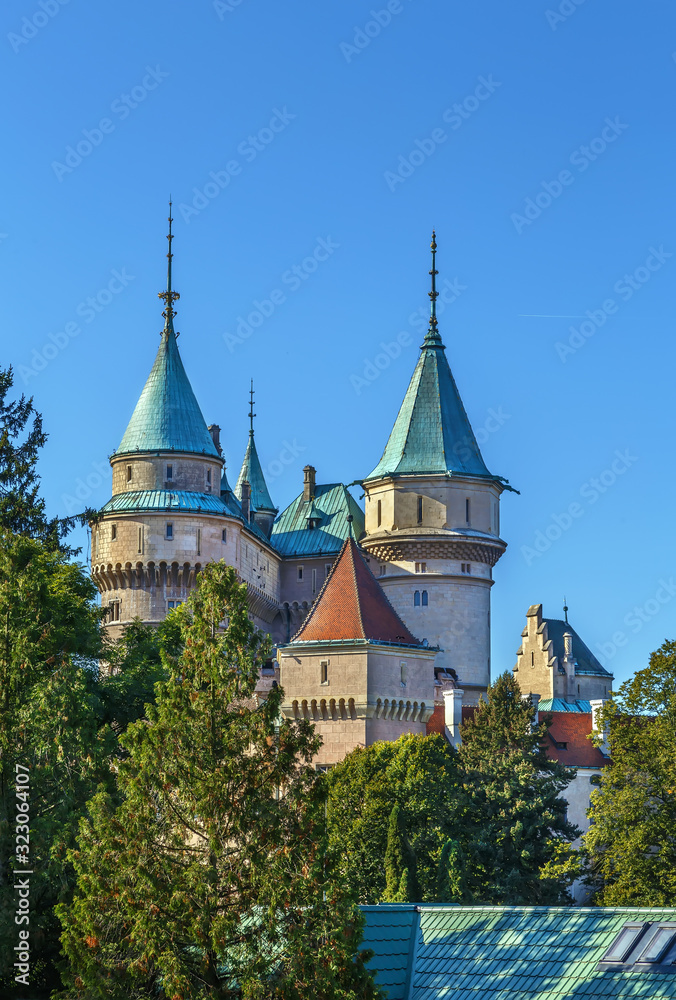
{"x": 169, "y": 530}
{"x": 383, "y": 569}
{"x": 199, "y": 541}
{"x": 224, "y": 535}
{"x": 173, "y": 604}
{"x": 327, "y": 569}
{"x": 300, "y": 572}
{"x": 420, "y": 510}
{"x": 129, "y": 473}
{"x": 466, "y": 568}
{"x": 113, "y": 531}
{"x": 140, "y": 540}
{"x": 421, "y": 567}
{"x": 624, "y": 943}
{"x": 402, "y": 670}
{"x": 209, "y": 477}
{"x": 380, "y": 512}
{"x": 532, "y": 658}
{"x": 424, "y": 598}
{"x": 324, "y": 670}
{"x": 170, "y": 472}
{"x": 658, "y": 945}
{"x": 561, "y": 745}
{"x": 314, "y": 581}
{"x": 468, "y": 517}
{"x": 416, "y": 599}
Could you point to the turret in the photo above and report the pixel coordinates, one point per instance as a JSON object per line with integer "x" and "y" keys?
{"x": 432, "y": 517}
{"x": 261, "y": 509}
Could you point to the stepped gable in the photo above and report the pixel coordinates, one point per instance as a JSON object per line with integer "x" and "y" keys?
{"x": 352, "y": 605}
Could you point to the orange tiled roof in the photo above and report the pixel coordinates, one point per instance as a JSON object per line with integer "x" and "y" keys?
{"x": 573, "y": 729}
{"x": 352, "y": 605}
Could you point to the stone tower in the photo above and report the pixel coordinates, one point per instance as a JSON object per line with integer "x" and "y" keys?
{"x": 262, "y": 511}
{"x": 432, "y": 518}
{"x": 170, "y": 512}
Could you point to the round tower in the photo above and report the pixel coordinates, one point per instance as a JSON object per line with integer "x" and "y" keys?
{"x": 433, "y": 519}
{"x": 172, "y": 510}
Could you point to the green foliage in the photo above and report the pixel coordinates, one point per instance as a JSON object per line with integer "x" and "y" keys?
{"x": 22, "y": 509}
{"x": 417, "y": 773}
{"x": 210, "y": 877}
{"x": 401, "y": 882}
{"x": 630, "y": 845}
{"x": 49, "y": 723}
{"x": 451, "y": 882}
{"x": 517, "y": 843}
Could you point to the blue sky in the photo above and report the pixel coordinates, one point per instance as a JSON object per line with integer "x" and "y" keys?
{"x": 536, "y": 137}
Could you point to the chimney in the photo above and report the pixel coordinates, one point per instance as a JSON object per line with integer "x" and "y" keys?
{"x": 309, "y": 473}
{"x": 596, "y": 709}
{"x": 215, "y": 432}
{"x": 246, "y": 500}
{"x": 568, "y": 643}
{"x": 453, "y": 715}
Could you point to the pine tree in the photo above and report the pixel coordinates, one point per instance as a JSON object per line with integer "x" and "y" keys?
{"x": 210, "y": 878}
{"x": 517, "y": 841}
{"x": 630, "y": 843}
{"x": 22, "y": 509}
{"x": 451, "y": 881}
{"x": 401, "y": 882}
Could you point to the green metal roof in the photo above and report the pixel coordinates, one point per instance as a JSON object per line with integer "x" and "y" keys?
{"x": 178, "y": 500}
{"x": 559, "y": 705}
{"x": 432, "y": 433}
{"x": 333, "y": 503}
{"x": 253, "y": 473}
{"x": 167, "y": 416}
{"x": 508, "y": 953}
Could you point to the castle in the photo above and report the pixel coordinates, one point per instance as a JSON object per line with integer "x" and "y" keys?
{"x": 380, "y": 619}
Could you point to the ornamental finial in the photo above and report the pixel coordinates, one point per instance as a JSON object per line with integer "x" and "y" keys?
{"x": 251, "y": 409}
{"x": 432, "y": 335}
{"x": 169, "y": 297}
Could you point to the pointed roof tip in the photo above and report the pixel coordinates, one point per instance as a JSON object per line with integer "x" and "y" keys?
{"x": 352, "y": 605}
{"x": 252, "y": 471}
{"x": 432, "y": 337}
{"x": 169, "y": 296}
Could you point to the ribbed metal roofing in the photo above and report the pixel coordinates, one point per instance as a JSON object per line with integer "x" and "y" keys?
{"x": 508, "y": 952}
{"x": 559, "y": 705}
{"x": 291, "y": 535}
{"x": 432, "y": 433}
{"x": 252, "y": 472}
{"x": 179, "y": 500}
{"x": 167, "y": 416}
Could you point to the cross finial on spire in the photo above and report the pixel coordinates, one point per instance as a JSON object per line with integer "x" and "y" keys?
{"x": 432, "y": 335}
{"x": 169, "y": 296}
{"x": 251, "y": 409}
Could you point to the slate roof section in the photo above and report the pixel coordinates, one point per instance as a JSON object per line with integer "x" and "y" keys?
{"x": 573, "y": 729}
{"x": 432, "y": 432}
{"x": 291, "y": 535}
{"x": 511, "y": 953}
{"x": 167, "y": 416}
{"x": 586, "y": 661}
{"x": 352, "y": 605}
{"x": 252, "y": 472}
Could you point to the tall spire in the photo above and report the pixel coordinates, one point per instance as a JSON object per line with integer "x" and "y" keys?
{"x": 169, "y": 297}
{"x": 251, "y": 409}
{"x": 432, "y": 335}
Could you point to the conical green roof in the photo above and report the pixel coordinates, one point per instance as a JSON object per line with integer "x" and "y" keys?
{"x": 432, "y": 433}
{"x": 252, "y": 472}
{"x": 167, "y": 416}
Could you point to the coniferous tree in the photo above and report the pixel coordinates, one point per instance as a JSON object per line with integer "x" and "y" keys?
{"x": 517, "y": 842}
{"x": 210, "y": 878}
{"x": 630, "y": 844}
{"x": 401, "y": 882}
{"x": 22, "y": 509}
{"x": 451, "y": 880}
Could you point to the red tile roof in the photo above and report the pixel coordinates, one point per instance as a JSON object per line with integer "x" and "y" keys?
{"x": 352, "y": 605}
{"x": 573, "y": 729}
{"x": 437, "y": 721}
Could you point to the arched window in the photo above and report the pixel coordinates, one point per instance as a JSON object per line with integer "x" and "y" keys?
{"x": 416, "y": 599}
{"x": 424, "y": 598}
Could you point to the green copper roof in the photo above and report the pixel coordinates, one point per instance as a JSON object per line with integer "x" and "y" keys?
{"x": 167, "y": 416}
{"x": 292, "y": 536}
{"x": 432, "y": 433}
{"x": 508, "y": 953}
{"x": 178, "y": 500}
{"x": 253, "y": 473}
